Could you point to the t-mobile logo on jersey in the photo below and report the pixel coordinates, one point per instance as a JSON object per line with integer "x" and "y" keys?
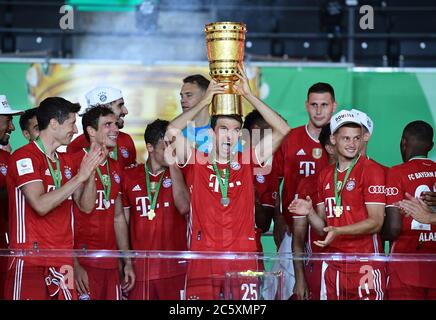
{"x": 143, "y": 205}
{"x": 307, "y": 168}
{"x": 215, "y": 185}
{"x": 99, "y": 201}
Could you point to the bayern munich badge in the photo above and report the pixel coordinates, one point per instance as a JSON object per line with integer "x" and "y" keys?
{"x": 124, "y": 152}
{"x": 117, "y": 178}
{"x": 260, "y": 178}
{"x": 167, "y": 183}
{"x": 67, "y": 173}
{"x": 235, "y": 165}
{"x": 350, "y": 185}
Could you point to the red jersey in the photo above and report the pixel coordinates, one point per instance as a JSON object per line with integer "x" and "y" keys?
{"x": 213, "y": 226}
{"x": 266, "y": 185}
{"x": 95, "y": 231}
{"x": 166, "y": 231}
{"x": 126, "y": 152}
{"x": 27, "y": 228}
{"x": 365, "y": 185}
{"x": 4, "y": 157}
{"x": 414, "y": 176}
{"x": 299, "y": 156}
{"x": 308, "y": 187}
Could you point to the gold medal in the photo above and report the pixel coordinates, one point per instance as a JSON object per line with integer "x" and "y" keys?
{"x": 338, "y": 211}
{"x": 151, "y": 215}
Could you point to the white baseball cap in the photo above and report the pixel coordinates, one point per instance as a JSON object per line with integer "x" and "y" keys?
{"x": 341, "y": 118}
{"x": 364, "y": 119}
{"x": 5, "y": 108}
{"x": 102, "y": 95}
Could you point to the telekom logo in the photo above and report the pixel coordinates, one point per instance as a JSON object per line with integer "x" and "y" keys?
{"x": 307, "y": 168}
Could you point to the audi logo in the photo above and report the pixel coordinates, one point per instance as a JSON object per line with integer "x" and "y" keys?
{"x": 391, "y": 191}
{"x": 377, "y": 189}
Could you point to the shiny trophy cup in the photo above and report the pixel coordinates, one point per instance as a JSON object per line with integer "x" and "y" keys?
{"x": 225, "y": 49}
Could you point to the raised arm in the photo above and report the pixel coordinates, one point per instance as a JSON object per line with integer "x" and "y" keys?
{"x": 270, "y": 142}
{"x": 180, "y": 191}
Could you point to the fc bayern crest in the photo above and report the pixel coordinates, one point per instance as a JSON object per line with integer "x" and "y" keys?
{"x": 67, "y": 173}
{"x": 124, "y": 152}
{"x": 167, "y": 183}
{"x": 3, "y": 170}
{"x": 103, "y": 96}
{"x": 260, "y": 178}
{"x": 350, "y": 185}
{"x": 116, "y": 178}
{"x": 235, "y": 165}
{"x": 316, "y": 153}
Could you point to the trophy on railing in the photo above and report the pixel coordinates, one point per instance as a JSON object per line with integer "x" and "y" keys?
{"x": 225, "y": 49}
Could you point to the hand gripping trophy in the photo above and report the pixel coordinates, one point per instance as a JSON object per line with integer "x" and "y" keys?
{"x": 225, "y": 50}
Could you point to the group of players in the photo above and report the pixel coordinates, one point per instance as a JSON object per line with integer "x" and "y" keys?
{"x": 210, "y": 183}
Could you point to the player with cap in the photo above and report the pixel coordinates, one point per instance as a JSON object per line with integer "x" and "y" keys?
{"x": 350, "y": 211}
{"x": 6, "y": 128}
{"x": 112, "y": 98}
{"x": 411, "y": 280}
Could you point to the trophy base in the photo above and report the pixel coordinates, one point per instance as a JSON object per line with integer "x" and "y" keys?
{"x": 226, "y": 103}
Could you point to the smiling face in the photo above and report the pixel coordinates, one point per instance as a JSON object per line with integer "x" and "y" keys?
{"x": 347, "y": 141}
{"x": 64, "y": 132}
{"x": 320, "y": 107}
{"x": 6, "y": 128}
{"x": 107, "y": 133}
{"x": 120, "y": 111}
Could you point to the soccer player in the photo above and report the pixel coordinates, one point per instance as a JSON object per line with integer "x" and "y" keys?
{"x": 29, "y": 124}
{"x": 113, "y": 99}
{"x": 411, "y": 280}
{"x": 301, "y": 154}
{"x": 223, "y": 180}
{"x": 308, "y": 273}
{"x": 193, "y": 90}
{"x": 6, "y": 128}
{"x": 106, "y": 227}
{"x": 265, "y": 179}
{"x": 156, "y": 201}
{"x": 41, "y": 185}
{"x": 350, "y": 213}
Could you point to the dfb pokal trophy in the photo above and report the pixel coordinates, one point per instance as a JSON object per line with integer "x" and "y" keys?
{"x": 225, "y": 50}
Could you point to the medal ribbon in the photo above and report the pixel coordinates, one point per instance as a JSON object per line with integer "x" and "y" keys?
{"x": 115, "y": 153}
{"x": 338, "y": 194}
{"x": 224, "y": 186}
{"x": 106, "y": 184}
{"x": 153, "y": 199}
{"x": 56, "y": 175}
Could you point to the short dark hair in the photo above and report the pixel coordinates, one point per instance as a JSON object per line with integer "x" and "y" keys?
{"x": 254, "y": 117}
{"x": 321, "y": 87}
{"x": 214, "y": 119}
{"x": 155, "y": 131}
{"x": 54, "y": 108}
{"x": 90, "y": 118}
{"x": 25, "y": 118}
{"x": 421, "y": 131}
{"x": 324, "y": 136}
{"x": 199, "y": 80}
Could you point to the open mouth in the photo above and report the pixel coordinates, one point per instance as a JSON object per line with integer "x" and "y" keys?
{"x": 113, "y": 137}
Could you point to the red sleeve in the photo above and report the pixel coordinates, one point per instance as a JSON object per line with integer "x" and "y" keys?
{"x": 25, "y": 167}
{"x": 374, "y": 185}
{"x": 132, "y": 151}
{"x": 269, "y": 197}
{"x": 77, "y": 144}
{"x": 278, "y": 161}
{"x": 394, "y": 191}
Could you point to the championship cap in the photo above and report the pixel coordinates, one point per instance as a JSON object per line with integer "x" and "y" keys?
{"x": 5, "y": 108}
{"x": 341, "y": 118}
{"x": 102, "y": 95}
{"x": 364, "y": 119}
